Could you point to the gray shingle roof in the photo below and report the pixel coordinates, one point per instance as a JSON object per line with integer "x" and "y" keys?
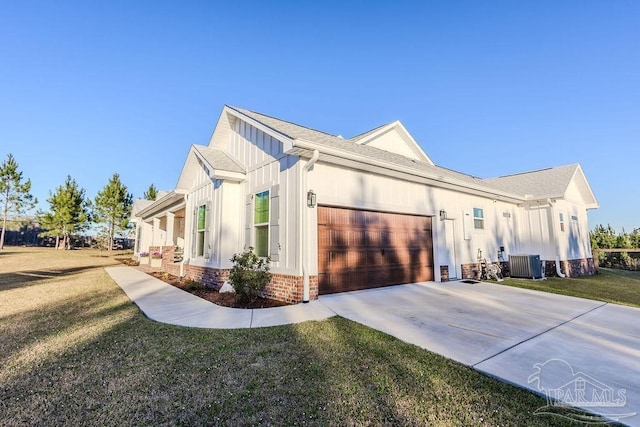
{"x": 295, "y": 131}
{"x": 544, "y": 183}
{"x": 367, "y": 133}
{"x": 219, "y": 159}
{"x": 541, "y": 183}
{"x": 289, "y": 129}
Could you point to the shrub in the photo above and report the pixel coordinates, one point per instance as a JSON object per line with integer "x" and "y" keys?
{"x": 192, "y": 285}
{"x": 249, "y": 275}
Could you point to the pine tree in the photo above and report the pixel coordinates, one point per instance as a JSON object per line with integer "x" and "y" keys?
{"x": 112, "y": 206}
{"x": 151, "y": 193}
{"x": 14, "y": 192}
{"x": 69, "y": 212}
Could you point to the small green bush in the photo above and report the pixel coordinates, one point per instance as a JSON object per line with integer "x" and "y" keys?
{"x": 249, "y": 275}
{"x": 192, "y": 285}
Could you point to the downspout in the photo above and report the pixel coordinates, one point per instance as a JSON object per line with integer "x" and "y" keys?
{"x": 303, "y": 240}
{"x": 558, "y": 270}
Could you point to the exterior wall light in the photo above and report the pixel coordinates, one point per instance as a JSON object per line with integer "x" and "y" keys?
{"x": 443, "y": 214}
{"x": 311, "y": 199}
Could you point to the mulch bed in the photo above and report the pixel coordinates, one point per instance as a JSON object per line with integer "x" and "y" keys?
{"x": 227, "y": 299}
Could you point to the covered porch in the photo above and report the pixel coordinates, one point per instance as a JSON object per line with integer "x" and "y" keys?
{"x": 164, "y": 221}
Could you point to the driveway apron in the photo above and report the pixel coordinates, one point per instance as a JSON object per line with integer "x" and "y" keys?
{"x": 521, "y": 336}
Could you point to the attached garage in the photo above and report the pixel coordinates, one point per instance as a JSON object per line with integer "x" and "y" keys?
{"x": 360, "y": 249}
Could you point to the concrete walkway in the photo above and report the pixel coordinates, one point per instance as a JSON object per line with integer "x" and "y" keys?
{"x": 167, "y": 304}
{"x": 548, "y": 343}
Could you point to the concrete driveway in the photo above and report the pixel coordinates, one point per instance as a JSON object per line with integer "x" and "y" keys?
{"x": 582, "y": 352}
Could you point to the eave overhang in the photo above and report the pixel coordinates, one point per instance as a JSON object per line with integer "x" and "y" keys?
{"x": 305, "y": 149}
{"x": 218, "y": 173}
{"x": 173, "y": 201}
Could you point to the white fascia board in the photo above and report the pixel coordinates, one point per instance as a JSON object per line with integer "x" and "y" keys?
{"x": 222, "y": 122}
{"x": 160, "y": 205}
{"x": 415, "y": 147}
{"x": 540, "y": 202}
{"x": 228, "y": 176}
{"x": 593, "y": 203}
{"x": 215, "y": 173}
{"x": 413, "y": 142}
{"x": 287, "y": 142}
{"x": 185, "y": 167}
{"x": 377, "y": 133}
{"x": 389, "y": 169}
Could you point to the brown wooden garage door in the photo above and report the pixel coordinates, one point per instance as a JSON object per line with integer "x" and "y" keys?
{"x": 362, "y": 249}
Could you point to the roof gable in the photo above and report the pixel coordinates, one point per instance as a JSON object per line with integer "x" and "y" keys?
{"x": 547, "y": 183}
{"x": 217, "y": 164}
{"x": 395, "y": 138}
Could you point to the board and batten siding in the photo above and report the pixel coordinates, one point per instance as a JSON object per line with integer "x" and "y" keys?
{"x": 340, "y": 186}
{"x": 201, "y": 194}
{"x": 268, "y": 168}
{"x": 223, "y": 225}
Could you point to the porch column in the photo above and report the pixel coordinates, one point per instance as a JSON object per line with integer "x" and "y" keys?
{"x": 155, "y": 239}
{"x": 170, "y": 222}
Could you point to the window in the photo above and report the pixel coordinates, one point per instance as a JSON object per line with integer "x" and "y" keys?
{"x": 478, "y": 219}
{"x": 201, "y": 222}
{"x": 261, "y": 223}
{"x": 562, "y": 222}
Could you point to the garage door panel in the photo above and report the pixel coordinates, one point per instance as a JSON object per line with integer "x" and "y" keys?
{"x": 364, "y": 249}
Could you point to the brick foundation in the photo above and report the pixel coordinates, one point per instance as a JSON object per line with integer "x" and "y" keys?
{"x": 471, "y": 271}
{"x": 571, "y": 268}
{"x": 282, "y": 287}
{"x": 212, "y": 278}
{"x": 444, "y": 273}
{"x": 290, "y": 288}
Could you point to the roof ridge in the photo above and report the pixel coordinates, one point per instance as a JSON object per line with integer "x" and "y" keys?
{"x": 242, "y": 110}
{"x": 536, "y": 171}
{"x": 361, "y": 135}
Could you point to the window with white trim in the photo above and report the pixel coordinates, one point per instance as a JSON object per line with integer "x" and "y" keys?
{"x": 201, "y": 228}
{"x": 478, "y": 218}
{"x": 561, "y": 222}
{"x": 261, "y": 223}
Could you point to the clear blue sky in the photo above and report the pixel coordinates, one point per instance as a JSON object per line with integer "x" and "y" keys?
{"x": 486, "y": 87}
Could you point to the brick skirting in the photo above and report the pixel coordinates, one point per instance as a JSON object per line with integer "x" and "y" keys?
{"x": 571, "y": 268}
{"x": 444, "y": 273}
{"x": 282, "y": 287}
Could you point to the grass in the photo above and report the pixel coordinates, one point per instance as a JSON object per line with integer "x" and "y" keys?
{"x": 75, "y": 351}
{"x": 609, "y": 285}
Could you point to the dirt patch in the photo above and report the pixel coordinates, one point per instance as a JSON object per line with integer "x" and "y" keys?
{"x": 224, "y": 299}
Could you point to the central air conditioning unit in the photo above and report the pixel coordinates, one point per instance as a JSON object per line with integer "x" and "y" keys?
{"x": 525, "y": 266}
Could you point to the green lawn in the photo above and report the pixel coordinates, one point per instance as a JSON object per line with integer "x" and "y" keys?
{"x": 75, "y": 351}
{"x": 615, "y": 286}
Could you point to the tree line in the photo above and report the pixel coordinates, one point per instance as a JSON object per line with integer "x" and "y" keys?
{"x": 70, "y": 212}
{"x": 607, "y": 238}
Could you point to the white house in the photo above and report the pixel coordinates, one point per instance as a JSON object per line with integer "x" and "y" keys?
{"x": 337, "y": 214}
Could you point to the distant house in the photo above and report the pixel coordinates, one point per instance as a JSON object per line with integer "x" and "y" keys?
{"x": 337, "y": 214}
